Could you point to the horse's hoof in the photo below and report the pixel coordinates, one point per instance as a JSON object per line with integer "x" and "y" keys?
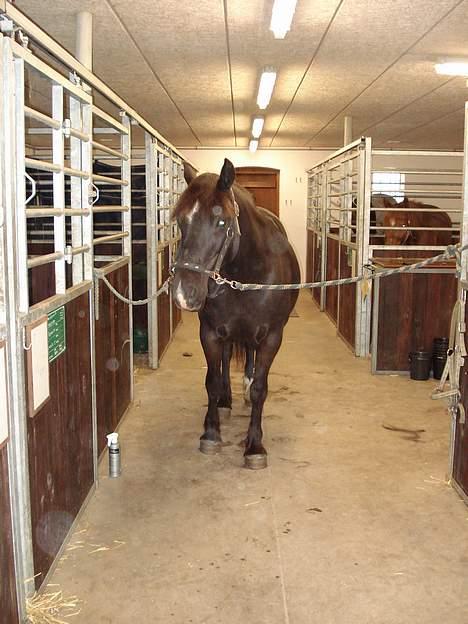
{"x": 256, "y": 462}
{"x": 210, "y": 447}
{"x": 224, "y": 413}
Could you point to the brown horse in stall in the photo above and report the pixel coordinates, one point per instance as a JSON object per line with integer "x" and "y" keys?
{"x": 416, "y": 215}
{"x": 224, "y": 232}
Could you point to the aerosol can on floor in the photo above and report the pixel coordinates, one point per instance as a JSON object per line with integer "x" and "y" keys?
{"x": 113, "y": 444}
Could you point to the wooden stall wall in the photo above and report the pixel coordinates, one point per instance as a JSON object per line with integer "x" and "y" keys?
{"x": 112, "y": 356}
{"x": 331, "y": 297}
{"x": 313, "y": 266}
{"x": 460, "y": 450}
{"x": 60, "y": 441}
{"x": 413, "y": 309}
{"x": 164, "y": 304}
{"x": 8, "y": 599}
{"x": 347, "y": 296}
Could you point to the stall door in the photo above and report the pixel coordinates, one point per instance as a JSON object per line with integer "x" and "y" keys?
{"x": 263, "y": 183}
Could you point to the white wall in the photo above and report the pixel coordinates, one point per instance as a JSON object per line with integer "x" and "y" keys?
{"x": 293, "y": 182}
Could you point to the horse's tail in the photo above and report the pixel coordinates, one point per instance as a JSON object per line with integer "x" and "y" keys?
{"x": 239, "y": 353}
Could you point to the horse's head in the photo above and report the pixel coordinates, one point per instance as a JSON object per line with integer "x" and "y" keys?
{"x": 207, "y": 217}
{"x": 397, "y": 219}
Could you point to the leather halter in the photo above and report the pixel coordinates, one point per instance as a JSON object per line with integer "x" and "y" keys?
{"x": 232, "y": 231}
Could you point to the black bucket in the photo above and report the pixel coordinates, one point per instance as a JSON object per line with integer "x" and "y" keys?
{"x": 420, "y": 365}
{"x": 440, "y": 346}
{"x": 438, "y": 365}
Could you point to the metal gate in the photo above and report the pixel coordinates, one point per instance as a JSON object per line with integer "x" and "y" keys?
{"x": 66, "y": 219}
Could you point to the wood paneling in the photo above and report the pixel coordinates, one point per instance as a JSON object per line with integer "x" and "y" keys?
{"x": 347, "y": 309}
{"x": 414, "y": 308}
{"x": 8, "y": 605}
{"x": 164, "y": 304}
{"x": 112, "y": 356}
{"x": 331, "y": 301}
{"x": 263, "y": 184}
{"x": 60, "y": 442}
{"x": 460, "y": 460}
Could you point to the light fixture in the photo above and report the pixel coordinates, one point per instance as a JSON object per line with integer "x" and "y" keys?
{"x": 257, "y": 127}
{"x": 265, "y": 88}
{"x": 253, "y": 145}
{"x": 452, "y": 68}
{"x": 281, "y": 17}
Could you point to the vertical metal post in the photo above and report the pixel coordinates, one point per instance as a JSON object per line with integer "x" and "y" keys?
{"x": 151, "y": 166}
{"x": 363, "y": 306}
{"x": 84, "y": 38}
{"x": 76, "y": 199}
{"x": 323, "y": 258}
{"x": 58, "y": 158}
{"x": 16, "y": 302}
{"x": 348, "y": 130}
{"x": 127, "y": 227}
{"x": 20, "y": 168}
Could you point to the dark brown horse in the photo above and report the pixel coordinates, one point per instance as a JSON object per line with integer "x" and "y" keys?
{"x": 417, "y": 217}
{"x": 223, "y": 231}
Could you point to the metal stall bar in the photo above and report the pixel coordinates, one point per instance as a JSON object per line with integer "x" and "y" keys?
{"x": 152, "y": 259}
{"x": 16, "y": 303}
{"x": 126, "y": 216}
{"x": 58, "y": 157}
{"x": 363, "y": 300}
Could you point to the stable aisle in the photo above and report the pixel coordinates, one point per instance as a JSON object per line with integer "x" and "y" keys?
{"x": 351, "y": 523}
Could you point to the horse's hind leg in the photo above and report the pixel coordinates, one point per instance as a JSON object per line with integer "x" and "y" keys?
{"x": 225, "y": 401}
{"x": 248, "y": 372}
{"x": 255, "y": 453}
{"x": 210, "y": 441}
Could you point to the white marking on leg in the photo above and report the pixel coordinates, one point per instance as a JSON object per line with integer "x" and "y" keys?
{"x": 247, "y": 384}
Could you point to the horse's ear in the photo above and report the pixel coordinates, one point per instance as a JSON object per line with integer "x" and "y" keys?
{"x": 189, "y": 172}
{"x": 226, "y": 177}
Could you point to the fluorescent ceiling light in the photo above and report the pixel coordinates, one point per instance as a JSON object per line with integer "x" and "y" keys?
{"x": 281, "y": 17}
{"x": 452, "y": 68}
{"x": 253, "y": 145}
{"x": 257, "y": 127}
{"x": 265, "y": 88}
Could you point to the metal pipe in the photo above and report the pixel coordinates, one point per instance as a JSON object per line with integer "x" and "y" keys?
{"x": 84, "y": 38}
{"x": 347, "y": 130}
{"x": 110, "y": 209}
{"x": 46, "y": 259}
{"x": 109, "y": 150}
{"x": 111, "y": 237}
{"x": 44, "y": 119}
{"x": 108, "y": 180}
{"x": 32, "y": 213}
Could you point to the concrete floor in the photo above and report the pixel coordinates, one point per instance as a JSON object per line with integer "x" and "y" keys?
{"x": 351, "y": 523}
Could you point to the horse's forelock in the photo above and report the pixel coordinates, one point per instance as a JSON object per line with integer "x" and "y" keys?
{"x": 203, "y": 190}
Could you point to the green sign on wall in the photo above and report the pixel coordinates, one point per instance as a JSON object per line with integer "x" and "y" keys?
{"x": 56, "y": 333}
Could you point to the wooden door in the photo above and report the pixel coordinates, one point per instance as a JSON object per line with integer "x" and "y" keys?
{"x": 263, "y": 183}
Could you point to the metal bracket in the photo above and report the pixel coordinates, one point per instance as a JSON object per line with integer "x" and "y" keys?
{"x": 7, "y": 26}
{"x": 93, "y": 195}
{"x": 33, "y": 184}
{"x": 66, "y": 127}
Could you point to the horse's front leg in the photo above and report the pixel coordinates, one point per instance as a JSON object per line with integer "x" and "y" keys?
{"x": 225, "y": 401}
{"x": 248, "y": 372}
{"x": 255, "y": 453}
{"x": 210, "y": 441}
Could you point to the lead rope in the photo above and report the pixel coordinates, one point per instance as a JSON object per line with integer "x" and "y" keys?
{"x": 450, "y": 252}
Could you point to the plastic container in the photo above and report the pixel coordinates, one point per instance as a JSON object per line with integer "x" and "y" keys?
{"x": 440, "y": 346}
{"x": 438, "y": 365}
{"x": 420, "y": 365}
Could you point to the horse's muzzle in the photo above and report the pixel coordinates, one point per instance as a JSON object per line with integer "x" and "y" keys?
{"x": 188, "y": 295}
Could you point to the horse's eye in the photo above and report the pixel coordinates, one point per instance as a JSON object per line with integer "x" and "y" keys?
{"x": 221, "y": 223}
